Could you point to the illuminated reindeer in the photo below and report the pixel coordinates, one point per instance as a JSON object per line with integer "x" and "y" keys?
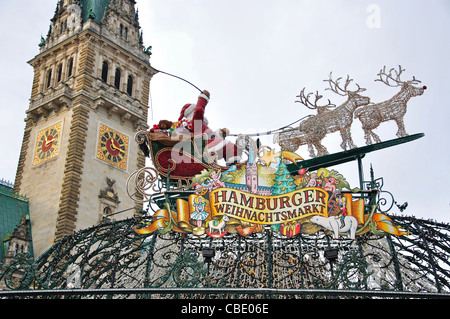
{"x": 290, "y": 139}
{"x": 314, "y": 129}
{"x": 338, "y": 119}
{"x": 371, "y": 116}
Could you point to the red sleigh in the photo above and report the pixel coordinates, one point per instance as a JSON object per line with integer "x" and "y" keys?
{"x": 179, "y": 158}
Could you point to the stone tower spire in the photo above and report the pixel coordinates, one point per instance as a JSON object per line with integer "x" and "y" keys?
{"x": 117, "y": 20}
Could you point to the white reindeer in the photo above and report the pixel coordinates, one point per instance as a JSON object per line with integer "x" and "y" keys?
{"x": 371, "y": 116}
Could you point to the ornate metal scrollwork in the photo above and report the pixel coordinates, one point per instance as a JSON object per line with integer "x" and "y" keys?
{"x": 142, "y": 184}
{"x": 114, "y": 256}
{"x": 20, "y": 273}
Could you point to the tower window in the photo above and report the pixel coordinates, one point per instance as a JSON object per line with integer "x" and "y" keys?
{"x": 63, "y": 26}
{"x": 60, "y": 68}
{"x": 121, "y": 30}
{"x": 49, "y": 79}
{"x": 105, "y": 72}
{"x": 70, "y": 67}
{"x": 117, "y": 79}
{"x": 130, "y": 85}
{"x": 125, "y": 34}
{"x": 107, "y": 212}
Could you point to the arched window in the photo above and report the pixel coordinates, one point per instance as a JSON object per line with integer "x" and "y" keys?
{"x": 49, "y": 79}
{"x": 107, "y": 212}
{"x": 60, "y": 68}
{"x": 69, "y": 68}
{"x": 121, "y": 30}
{"x": 105, "y": 68}
{"x": 125, "y": 34}
{"x": 130, "y": 86}
{"x": 117, "y": 79}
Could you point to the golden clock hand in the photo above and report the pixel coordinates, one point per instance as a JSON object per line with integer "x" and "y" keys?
{"x": 114, "y": 147}
{"x": 51, "y": 141}
{"x": 120, "y": 150}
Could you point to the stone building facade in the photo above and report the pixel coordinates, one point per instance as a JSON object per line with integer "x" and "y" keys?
{"x": 89, "y": 98}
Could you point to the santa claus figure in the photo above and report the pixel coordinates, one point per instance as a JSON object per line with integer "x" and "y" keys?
{"x": 194, "y": 114}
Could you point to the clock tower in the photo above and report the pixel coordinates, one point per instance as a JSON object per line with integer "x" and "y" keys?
{"x": 89, "y": 97}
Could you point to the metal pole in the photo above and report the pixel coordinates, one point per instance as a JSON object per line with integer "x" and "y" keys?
{"x": 361, "y": 172}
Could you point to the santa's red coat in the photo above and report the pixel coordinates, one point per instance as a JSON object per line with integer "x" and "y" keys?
{"x": 195, "y": 113}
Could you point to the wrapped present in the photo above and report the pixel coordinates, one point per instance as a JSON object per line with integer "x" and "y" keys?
{"x": 290, "y": 229}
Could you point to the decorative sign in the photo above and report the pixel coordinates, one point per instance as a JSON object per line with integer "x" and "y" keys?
{"x": 268, "y": 210}
{"x": 263, "y": 195}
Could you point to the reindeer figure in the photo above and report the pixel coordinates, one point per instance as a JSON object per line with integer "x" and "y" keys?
{"x": 329, "y": 119}
{"x": 339, "y": 119}
{"x": 371, "y": 116}
{"x": 291, "y": 139}
{"x": 304, "y": 99}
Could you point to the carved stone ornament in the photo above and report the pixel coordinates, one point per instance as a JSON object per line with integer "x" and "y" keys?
{"x": 108, "y": 192}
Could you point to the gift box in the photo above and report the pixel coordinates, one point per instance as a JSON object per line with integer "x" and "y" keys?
{"x": 290, "y": 229}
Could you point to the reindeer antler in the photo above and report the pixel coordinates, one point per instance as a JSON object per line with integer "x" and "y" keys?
{"x": 305, "y": 100}
{"x": 385, "y": 77}
{"x": 336, "y": 88}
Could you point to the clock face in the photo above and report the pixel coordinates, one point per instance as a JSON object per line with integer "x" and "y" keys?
{"x": 47, "y": 144}
{"x": 112, "y": 147}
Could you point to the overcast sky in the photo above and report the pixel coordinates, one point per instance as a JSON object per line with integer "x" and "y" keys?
{"x": 256, "y": 56}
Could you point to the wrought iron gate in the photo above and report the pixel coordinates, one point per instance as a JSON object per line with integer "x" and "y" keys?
{"x": 112, "y": 261}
